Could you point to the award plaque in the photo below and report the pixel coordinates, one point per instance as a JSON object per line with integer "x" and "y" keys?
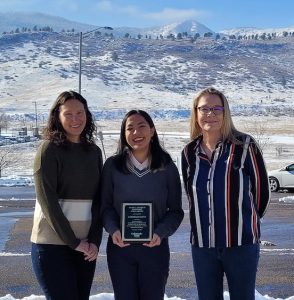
{"x": 137, "y": 222}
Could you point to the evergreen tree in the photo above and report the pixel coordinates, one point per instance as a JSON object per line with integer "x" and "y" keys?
{"x": 208, "y": 34}
{"x": 263, "y": 36}
{"x": 114, "y": 56}
{"x": 171, "y": 37}
{"x": 196, "y": 35}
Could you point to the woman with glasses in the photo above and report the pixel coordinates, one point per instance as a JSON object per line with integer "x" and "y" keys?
{"x": 67, "y": 230}
{"x": 227, "y": 186}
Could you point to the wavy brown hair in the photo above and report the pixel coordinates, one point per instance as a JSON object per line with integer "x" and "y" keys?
{"x": 54, "y": 131}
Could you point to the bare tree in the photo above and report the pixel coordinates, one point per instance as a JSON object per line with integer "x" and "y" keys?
{"x": 7, "y": 159}
{"x": 3, "y": 121}
{"x": 258, "y": 130}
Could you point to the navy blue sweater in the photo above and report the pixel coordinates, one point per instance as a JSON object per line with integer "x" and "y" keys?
{"x": 162, "y": 188}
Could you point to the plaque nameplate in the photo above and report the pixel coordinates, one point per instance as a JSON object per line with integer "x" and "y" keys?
{"x": 137, "y": 222}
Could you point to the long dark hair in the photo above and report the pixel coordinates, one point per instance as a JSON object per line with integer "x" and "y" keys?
{"x": 159, "y": 157}
{"x": 54, "y": 131}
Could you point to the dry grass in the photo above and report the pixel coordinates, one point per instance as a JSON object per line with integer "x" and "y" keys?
{"x": 272, "y": 127}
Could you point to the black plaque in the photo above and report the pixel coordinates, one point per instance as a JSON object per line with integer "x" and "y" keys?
{"x": 137, "y": 222}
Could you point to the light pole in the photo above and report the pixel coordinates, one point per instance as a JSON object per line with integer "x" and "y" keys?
{"x": 81, "y": 50}
{"x": 36, "y": 131}
{"x": 36, "y": 114}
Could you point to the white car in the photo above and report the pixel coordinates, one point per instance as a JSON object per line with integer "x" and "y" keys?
{"x": 282, "y": 178}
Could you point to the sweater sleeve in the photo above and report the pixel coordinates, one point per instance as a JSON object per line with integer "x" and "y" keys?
{"x": 95, "y": 232}
{"x": 258, "y": 177}
{"x": 46, "y": 178}
{"x": 110, "y": 218}
{"x": 174, "y": 213}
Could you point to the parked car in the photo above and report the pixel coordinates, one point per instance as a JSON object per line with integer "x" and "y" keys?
{"x": 282, "y": 178}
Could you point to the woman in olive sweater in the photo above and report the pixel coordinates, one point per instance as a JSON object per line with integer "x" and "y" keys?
{"x": 66, "y": 233}
{"x": 141, "y": 172}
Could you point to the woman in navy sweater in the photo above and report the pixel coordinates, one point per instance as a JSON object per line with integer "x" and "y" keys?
{"x": 140, "y": 172}
{"x": 227, "y": 187}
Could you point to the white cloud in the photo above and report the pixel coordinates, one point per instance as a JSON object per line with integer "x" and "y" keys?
{"x": 171, "y": 14}
{"x": 165, "y": 15}
{"x": 106, "y": 7}
{"x": 109, "y": 6}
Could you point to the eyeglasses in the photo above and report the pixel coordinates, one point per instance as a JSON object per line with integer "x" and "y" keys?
{"x": 205, "y": 110}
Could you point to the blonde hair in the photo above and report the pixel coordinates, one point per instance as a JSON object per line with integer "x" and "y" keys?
{"x": 228, "y": 129}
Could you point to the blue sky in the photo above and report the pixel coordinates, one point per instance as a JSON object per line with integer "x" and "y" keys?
{"x": 215, "y": 14}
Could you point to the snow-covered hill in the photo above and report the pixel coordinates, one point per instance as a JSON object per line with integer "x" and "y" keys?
{"x": 249, "y": 31}
{"x": 190, "y": 27}
{"x": 19, "y": 20}
{"x": 13, "y": 20}
{"x": 162, "y": 75}
{"x": 153, "y": 72}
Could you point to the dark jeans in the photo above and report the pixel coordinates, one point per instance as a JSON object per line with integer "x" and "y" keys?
{"x": 62, "y": 272}
{"x": 239, "y": 264}
{"x": 138, "y": 272}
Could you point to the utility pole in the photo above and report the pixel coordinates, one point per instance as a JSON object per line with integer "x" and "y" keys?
{"x": 36, "y": 131}
{"x": 81, "y": 51}
{"x": 80, "y": 62}
{"x": 36, "y": 114}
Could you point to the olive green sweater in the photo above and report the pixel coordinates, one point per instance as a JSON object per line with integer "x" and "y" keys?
{"x": 67, "y": 188}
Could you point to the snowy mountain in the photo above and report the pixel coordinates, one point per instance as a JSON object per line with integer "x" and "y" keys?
{"x": 12, "y": 21}
{"x": 158, "y": 74}
{"x": 259, "y": 31}
{"x": 190, "y": 27}
{"x": 151, "y": 72}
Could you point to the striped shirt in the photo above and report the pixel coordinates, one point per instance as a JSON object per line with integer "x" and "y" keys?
{"x": 228, "y": 194}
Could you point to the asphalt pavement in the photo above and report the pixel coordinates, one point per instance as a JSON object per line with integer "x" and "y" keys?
{"x": 275, "y": 275}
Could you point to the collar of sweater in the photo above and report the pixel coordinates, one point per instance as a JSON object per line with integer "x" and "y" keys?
{"x": 137, "y": 164}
